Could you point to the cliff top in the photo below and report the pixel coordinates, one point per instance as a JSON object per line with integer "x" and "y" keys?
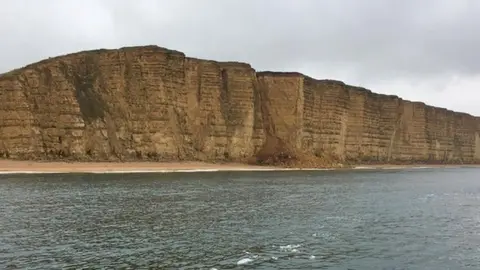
{"x": 97, "y": 51}
{"x": 154, "y": 48}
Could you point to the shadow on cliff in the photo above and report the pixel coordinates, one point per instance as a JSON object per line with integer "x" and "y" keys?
{"x": 276, "y": 152}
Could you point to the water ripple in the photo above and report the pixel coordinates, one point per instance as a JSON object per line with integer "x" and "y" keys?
{"x": 415, "y": 219}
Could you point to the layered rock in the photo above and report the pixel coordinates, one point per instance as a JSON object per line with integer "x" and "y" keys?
{"x": 151, "y": 103}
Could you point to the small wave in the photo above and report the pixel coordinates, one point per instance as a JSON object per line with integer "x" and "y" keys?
{"x": 25, "y": 172}
{"x": 363, "y": 168}
{"x": 290, "y": 248}
{"x": 394, "y": 168}
{"x": 155, "y": 171}
{"x": 410, "y": 167}
{"x": 244, "y": 261}
{"x": 111, "y": 171}
{"x": 114, "y": 171}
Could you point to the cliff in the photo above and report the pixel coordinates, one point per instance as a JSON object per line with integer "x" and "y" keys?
{"x": 151, "y": 103}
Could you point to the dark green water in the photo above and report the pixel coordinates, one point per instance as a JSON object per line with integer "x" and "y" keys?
{"x": 399, "y": 219}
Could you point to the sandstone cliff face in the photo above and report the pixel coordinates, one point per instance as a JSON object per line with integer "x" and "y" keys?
{"x": 151, "y": 103}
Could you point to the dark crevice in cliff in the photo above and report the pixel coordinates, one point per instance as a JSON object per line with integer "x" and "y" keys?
{"x": 179, "y": 121}
{"x": 430, "y": 135}
{"x": 268, "y": 123}
{"x": 225, "y": 96}
{"x": 3, "y": 149}
{"x": 92, "y": 106}
{"x": 113, "y": 141}
{"x": 274, "y": 151}
{"x": 258, "y": 113}
{"x": 200, "y": 83}
{"x": 226, "y": 110}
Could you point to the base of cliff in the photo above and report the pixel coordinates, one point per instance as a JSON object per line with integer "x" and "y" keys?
{"x": 28, "y": 167}
{"x": 14, "y": 166}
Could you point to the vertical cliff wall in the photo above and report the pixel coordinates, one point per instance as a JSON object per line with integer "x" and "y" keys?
{"x": 150, "y": 103}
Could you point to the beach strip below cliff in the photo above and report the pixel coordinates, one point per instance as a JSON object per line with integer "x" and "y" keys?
{"x": 36, "y": 167}
{"x": 10, "y": 167}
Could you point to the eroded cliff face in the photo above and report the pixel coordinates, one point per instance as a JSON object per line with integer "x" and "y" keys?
{"x": 151, "y": 103}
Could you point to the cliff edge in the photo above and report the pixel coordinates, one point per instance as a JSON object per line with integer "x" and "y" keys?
{"x": 151, "y": 103}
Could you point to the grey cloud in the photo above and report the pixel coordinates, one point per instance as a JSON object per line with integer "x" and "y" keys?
{"x": 377, "y": 36}
{"x": 385, "y": 38}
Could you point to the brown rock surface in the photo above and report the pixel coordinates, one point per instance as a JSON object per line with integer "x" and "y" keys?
{"x": 151, "y": 103}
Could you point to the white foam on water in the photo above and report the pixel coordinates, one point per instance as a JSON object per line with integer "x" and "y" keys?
{"x": 115, "y": 171}
{"x": 409, "y": 168}
{"x": 313, "y": 169}
{"x": 395, "y": 168}
{"x": 311, "y": 257}
{"x": 392, "y": 167}
{"x": 24, "y": 172}
{"x": 244, "y": 261}
{"x": 154, "y": 171}
{"x": 421, "y": 168}
{"x": 290, "y": 248}
{"x": 362, "y": 168}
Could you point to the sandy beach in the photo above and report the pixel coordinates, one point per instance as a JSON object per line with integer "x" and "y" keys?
{"x": 12, "y": 166}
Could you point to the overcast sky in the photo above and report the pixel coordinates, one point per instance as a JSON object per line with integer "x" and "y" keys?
{"x": 425, "y": 50}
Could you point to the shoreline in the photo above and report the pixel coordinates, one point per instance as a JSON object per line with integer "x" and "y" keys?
{"x": 13, "y": 166}
{"x": 38, "y": 167}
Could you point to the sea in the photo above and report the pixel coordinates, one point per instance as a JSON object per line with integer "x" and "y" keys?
{"x": 404, "y": 218}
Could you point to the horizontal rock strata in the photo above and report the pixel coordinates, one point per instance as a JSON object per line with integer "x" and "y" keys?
{"x": 151, "y": 103}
